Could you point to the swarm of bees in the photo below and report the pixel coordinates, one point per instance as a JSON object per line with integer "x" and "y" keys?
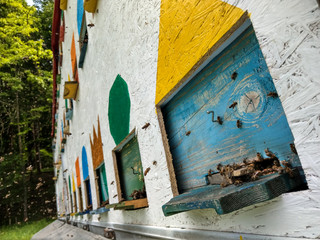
{"x": 138, "y": 194}
{"x": 251, "y": 170}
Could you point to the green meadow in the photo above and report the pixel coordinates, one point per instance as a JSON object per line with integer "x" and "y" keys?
{"x": 23, "y": 231}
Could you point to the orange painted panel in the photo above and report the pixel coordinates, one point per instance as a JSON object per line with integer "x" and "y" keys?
{"x": 78, "y": 172}
{"x": 96, "y": 147}
{"x": 73, "y": 55}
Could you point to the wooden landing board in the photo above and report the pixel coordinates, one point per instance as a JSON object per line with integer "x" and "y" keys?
{"x": 132, "y": 204}
{"x": 99, "y": 210}
{"x": 231, "y": 198}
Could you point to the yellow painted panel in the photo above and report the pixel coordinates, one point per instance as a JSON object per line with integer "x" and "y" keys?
{"x": 73, "y": 184}
{"x": 188, "y": 29}
{"x": 63, "y": 4}
{"x": 70, "y": 89}
{"x": 90, "y": 5}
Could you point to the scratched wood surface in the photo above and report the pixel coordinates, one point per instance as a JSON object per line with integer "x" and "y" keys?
{"x": 197, "y": 144}
{"x": 130, "y": 168}
{"x": 231, "y": 198}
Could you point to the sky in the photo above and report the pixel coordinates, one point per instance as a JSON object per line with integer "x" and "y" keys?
{"x": 30, "y": 2}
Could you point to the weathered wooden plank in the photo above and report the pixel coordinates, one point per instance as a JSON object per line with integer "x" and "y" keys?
{"x": 231, "y": 198}
{"x": 197, "y": 144}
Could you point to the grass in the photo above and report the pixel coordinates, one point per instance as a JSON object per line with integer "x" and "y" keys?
{"x": 24, "y": 231}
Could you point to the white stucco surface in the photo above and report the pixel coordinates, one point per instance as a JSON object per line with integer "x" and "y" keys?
{"x": 124, "y": 40}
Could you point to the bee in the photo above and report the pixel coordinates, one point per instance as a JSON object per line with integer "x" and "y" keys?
{"x": 286, "y": 164}
{"x": 154, "y": 163}
{"x": 146, "y": 126}
{"x": 260, "y": 158}
{"x": 234, "y": 76}
{"x": 256, "y": 175}
{"x": 219, "y": 120}
{"x": 112, "y": 183}
{"x": 188, "y": 133}
{"x": 233, "y": 105}
{"x": 239, "y": 124}
{"x": 272, "y": 94}
{"x": 267, "y": 171}
{"x": 276, "y": 163}
{"x": 238, "y": 182}
{"x": 269, "y": 153}
{"x": 289, "y": 171}
{"x": 146, "y": 171}
{"x": 293, "y": 148}
{"x": 90, "y": 25}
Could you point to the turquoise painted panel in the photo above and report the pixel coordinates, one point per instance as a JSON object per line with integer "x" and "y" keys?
{"x": 102, "y": 183}
{"x": 85, "y": 166}
{"x": 130, "y": 168}
{"x": 239, "y": 74}
{"x": 80, "y": 11}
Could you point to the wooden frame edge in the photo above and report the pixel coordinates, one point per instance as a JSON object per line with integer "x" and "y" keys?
{"x": 116, "y": 173}
{"x": 172, "y": 175}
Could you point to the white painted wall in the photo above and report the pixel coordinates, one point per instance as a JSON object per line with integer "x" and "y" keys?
{"x": 124, "y": 41}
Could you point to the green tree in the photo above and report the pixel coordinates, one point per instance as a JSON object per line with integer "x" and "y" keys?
{"x": 25, "y": 100}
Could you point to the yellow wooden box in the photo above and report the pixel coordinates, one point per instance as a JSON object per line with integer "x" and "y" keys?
{"x": 70, "y": 89}
{"x": 90, "y": 5}
{"x": 63, "y": 4}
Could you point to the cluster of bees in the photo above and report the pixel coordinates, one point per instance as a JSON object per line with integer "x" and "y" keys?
{"x": 138, "y": 194}
{"x": 251, "y": 170}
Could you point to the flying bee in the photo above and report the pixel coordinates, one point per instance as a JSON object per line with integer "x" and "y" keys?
{"x": 188, "y": 133}
{"x": 272, "y": 94}
{"x": 233, "y": 105}
{"x": 219, "y": 120}
{"x": 90, "y": 25}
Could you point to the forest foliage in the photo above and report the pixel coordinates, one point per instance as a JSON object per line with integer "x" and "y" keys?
{"x": 25, "y": 110}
